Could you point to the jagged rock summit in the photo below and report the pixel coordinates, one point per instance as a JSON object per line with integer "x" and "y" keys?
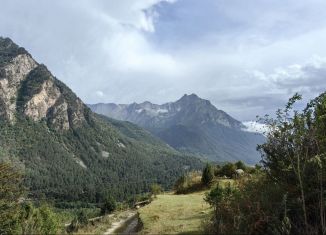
{"x": 189, "y": 109}
{"x": 191, "y": 124}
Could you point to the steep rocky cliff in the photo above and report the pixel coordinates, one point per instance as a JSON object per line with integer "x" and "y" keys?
{"x": 28, "y": 89}
{"x": 12, "y": 74}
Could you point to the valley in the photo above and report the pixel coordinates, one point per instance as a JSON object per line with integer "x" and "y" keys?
{"x": 72, "y": 163}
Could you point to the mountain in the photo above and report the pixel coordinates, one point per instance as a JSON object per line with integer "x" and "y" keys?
{"x": 67, "y": 152}
{"x": 192, "y": 125}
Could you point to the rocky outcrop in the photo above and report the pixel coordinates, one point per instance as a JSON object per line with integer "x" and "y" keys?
{"x": 77, "y": 117}
{"x": 28, "y": 89}
{"x": 37, "y": 107}
{"x": 11, "y": 75}
{"x": 59, "y": 115}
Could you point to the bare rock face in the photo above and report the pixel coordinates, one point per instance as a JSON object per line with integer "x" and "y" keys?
{"x": 11, "y": 76}
{"x": 28, "y": 89}
{"x": 37, "y": 107}
{"x": 59, "y": 114}
{"x": 77, "y": 117}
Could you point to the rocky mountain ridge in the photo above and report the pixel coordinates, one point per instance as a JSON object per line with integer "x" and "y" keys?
{"x": 187, "y": 110}
{"x": 192, "y": 125}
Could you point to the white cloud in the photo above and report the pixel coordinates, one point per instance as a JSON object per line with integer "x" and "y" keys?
{"x": 128, "y": 50}
{"x": 305, "y": 77}
{"x": 136, "y": 13}
{"x": 100, "y": 94}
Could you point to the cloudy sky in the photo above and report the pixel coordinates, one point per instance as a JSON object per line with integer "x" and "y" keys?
{"x": 247, "y": 57}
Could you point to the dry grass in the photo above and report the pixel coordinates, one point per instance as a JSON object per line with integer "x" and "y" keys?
{"x": 175, "y": 214}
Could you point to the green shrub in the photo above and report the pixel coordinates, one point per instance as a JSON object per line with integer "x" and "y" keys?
{"x": 156, "y": 189}
{"x": 252, "y": 206}
{"x": 228, "y": 170}
{"x": 220, "y": 198}
{"x": 109, "y": 205}
{"x": 208, "y": 175}
{"x": 40, "y": 220}
{"x": 188, "y": 183}
{"x": 82, "y": 217}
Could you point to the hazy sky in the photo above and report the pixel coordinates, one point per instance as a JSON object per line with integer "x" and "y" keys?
{"x": 246, "y": 56}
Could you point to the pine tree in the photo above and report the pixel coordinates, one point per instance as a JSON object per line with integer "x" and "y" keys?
{"x": 208, "y": 175}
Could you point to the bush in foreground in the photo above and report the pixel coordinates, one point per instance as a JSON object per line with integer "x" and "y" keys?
{"x": 288, "y": 195}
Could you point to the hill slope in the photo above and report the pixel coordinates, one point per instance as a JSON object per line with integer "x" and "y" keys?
{"x": 192, "y": 125}
{"x": 68, "y": 152}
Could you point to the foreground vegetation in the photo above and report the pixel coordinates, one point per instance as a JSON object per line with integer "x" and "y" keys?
{"x": 287, "y": 196}
{"x": 18, "y": 216}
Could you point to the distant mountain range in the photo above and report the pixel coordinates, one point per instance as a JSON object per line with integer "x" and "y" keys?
{"x": 192, "y": 125}
{"x": 67, "y": 152}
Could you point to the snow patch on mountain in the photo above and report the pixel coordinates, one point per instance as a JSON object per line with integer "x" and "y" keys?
{"x": 162, "y": 111}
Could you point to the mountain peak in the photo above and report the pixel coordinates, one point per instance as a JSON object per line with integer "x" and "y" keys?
{"x": 188, "y": 110}
{"x": 146, "y": 103}
{"x": 192, "y": 96}
{"x": 7, "y": 46}
{"x": 28, "y": 89}
{"x": 191, "y": 124}
{"x": 194, "y": 99}
{"x": 9, "y": 50}
{"x": 6, "y": 42}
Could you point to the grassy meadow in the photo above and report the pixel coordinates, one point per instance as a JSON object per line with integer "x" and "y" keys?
{"x": 175, "y": 214}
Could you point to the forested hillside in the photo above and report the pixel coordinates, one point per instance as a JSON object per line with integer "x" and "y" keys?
{"x": 67, "y": 152}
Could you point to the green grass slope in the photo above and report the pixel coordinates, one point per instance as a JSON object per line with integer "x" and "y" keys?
{"x": 175, "y": 214}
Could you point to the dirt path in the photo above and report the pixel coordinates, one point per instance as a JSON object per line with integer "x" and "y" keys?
{"x": 121, "y": 223}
